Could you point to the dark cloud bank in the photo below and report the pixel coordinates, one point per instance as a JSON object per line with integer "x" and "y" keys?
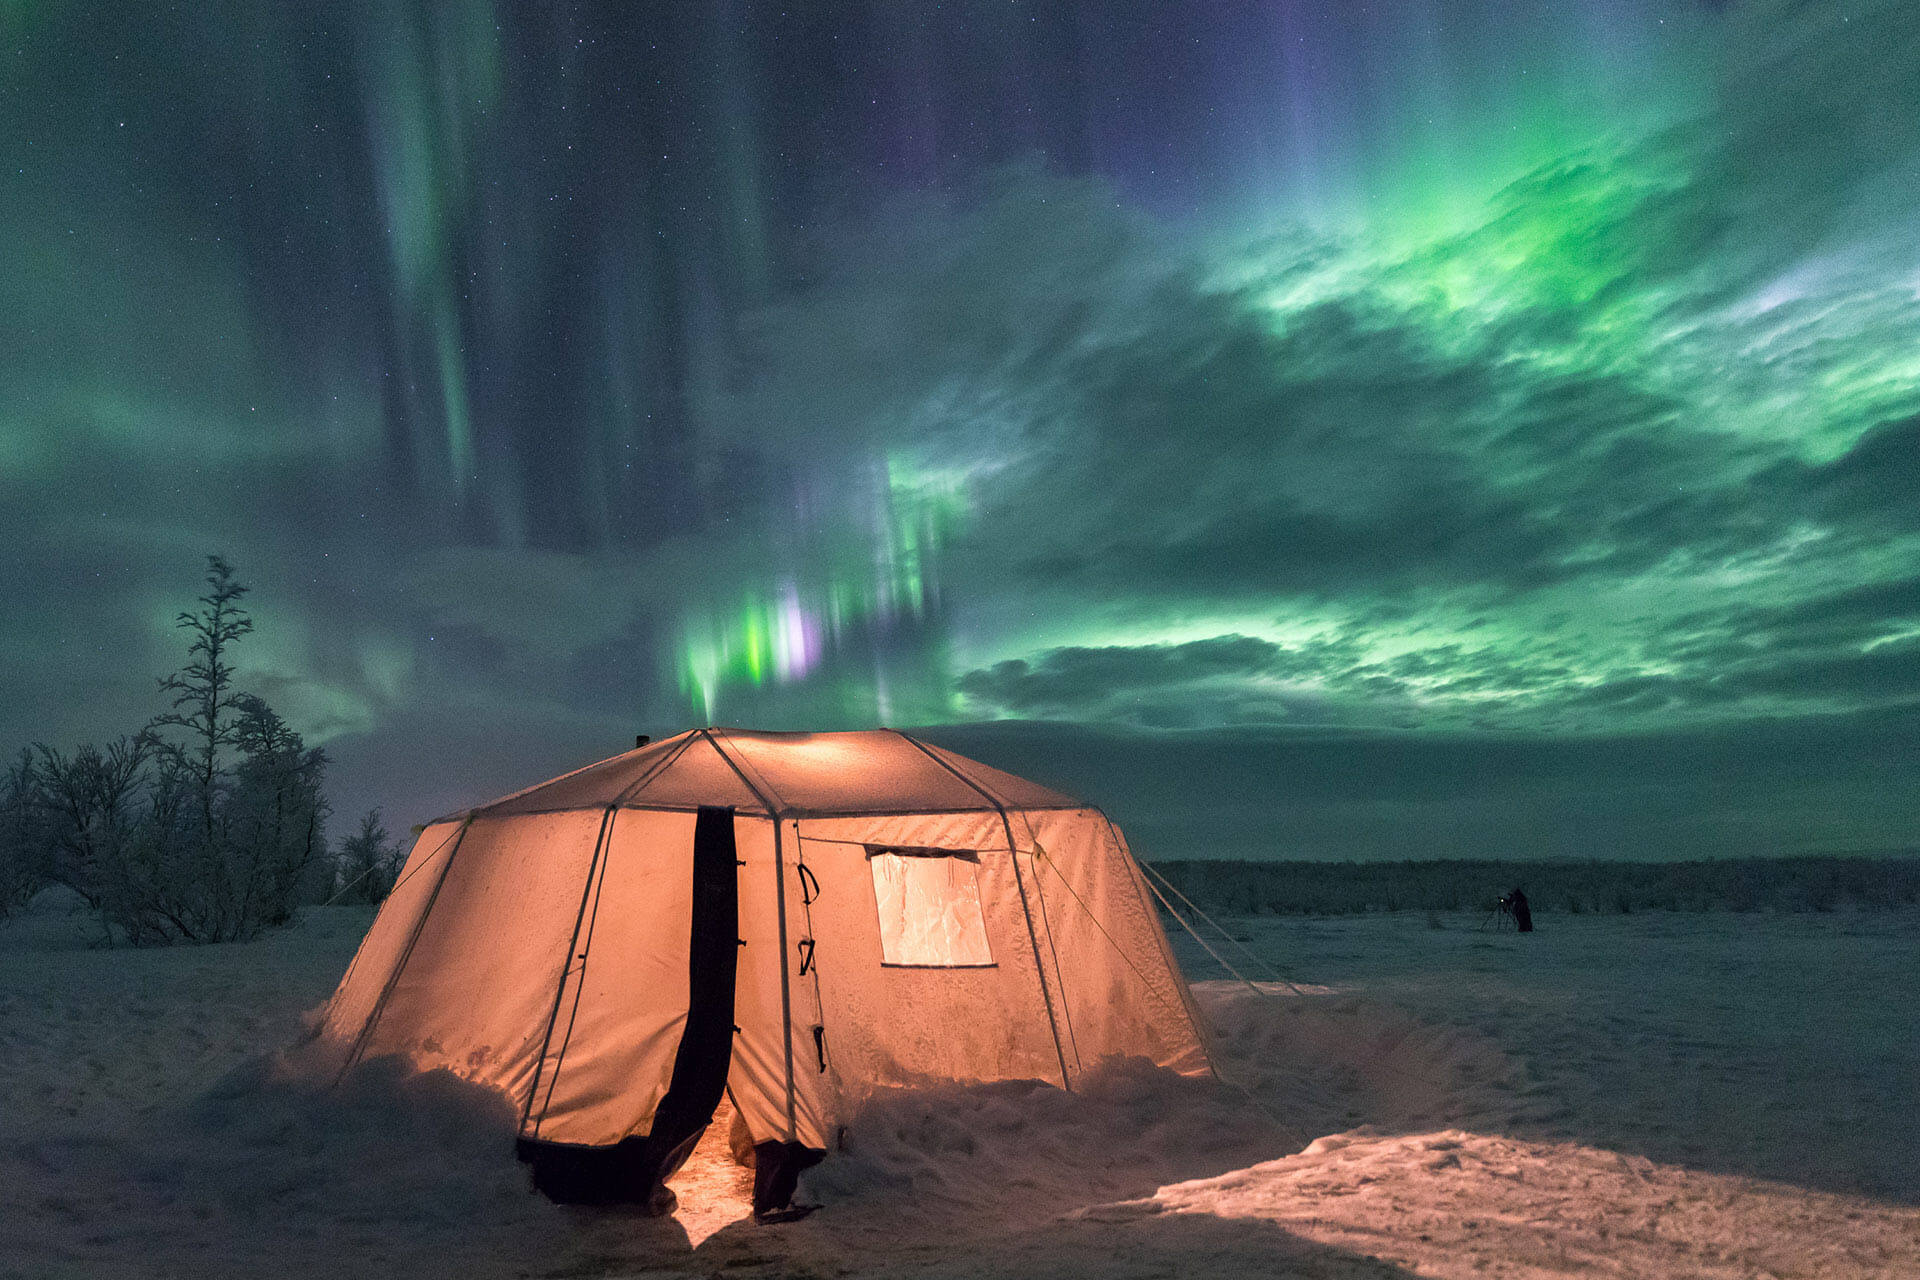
{"x": 1840, "y": 785}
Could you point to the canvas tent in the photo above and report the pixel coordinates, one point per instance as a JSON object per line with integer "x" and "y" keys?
{"x": 793, "y": 918}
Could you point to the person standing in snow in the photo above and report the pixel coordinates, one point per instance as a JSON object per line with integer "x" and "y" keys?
{"x": 1516, "y": 905}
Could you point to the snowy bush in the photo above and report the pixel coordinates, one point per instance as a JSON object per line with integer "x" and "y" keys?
{"x": 89, "y": 806}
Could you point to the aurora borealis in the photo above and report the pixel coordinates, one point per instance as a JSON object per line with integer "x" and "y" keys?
{"x": 1452, "y": 425}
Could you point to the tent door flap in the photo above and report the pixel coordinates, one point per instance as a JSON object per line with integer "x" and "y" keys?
{"x": 635, "y": 1169}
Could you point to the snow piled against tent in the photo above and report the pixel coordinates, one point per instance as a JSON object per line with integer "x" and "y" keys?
{"x": 1407, "y": 1116}
{"x": 397, "y": 1168}
{"x": 1290, "y": 1066}
{"x": 164, "y": 1133}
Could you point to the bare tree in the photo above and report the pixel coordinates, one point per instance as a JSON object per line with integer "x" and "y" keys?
{"x": 235, "y": 819}
{"x": 24, "y": 867}
{"x": 91, "y": 802}
{"x": 369, "y": 862}
{"x": 275, "y": 816}
{"x": 90, "y": 799}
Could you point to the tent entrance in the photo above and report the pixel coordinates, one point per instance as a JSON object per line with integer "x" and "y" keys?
{"x": 635, "y": 1169}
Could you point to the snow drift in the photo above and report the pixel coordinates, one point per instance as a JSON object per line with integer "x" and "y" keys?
{"x": 161, "y": 1134}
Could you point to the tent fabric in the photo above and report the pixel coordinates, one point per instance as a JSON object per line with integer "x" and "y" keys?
{"x": 541, "y": 944}
{"x": 792, "y": 774}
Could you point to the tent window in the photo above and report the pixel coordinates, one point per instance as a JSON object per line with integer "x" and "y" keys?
{"x": 929, "y": 908}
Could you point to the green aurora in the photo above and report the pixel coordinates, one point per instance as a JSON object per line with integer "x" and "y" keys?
{"x": 1467, "y": 373}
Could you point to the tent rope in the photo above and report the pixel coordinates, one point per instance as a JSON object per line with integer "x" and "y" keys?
{"x": 1219, "y": 959}
{"x": 1119, "y": 950}
{"x": 1389, "y": 1066}
{"x": 1245, "y": 950}
{"x": 444, "y": 841}
{"x": 1045, "y": 860}
{"x": 349, "y": 884}
{"x": 1379, "y": 1063}
{"x": 812, "y": 941}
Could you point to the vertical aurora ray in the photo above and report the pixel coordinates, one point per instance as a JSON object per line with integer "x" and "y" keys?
{"x": 870, "y": 600}
{"x": 433, "y": 79}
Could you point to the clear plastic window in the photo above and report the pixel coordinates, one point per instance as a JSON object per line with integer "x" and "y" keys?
{"x": 929, "y": 903}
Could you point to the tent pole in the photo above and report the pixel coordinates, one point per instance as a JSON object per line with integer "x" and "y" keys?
{"x": 646, "y": 779}
{"x": 1137, "y": 881}
{"x": 780, "y": 909}
{"x": 438, "y": 850}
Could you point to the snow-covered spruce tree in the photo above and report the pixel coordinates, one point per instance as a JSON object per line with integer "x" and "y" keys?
{"x": 369, "y": 862}
{"x": 203, "y": 691}
{"x": 234, "y": 823}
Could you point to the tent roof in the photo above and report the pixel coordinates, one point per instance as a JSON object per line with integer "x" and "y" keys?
{"x": 872, "y": 771}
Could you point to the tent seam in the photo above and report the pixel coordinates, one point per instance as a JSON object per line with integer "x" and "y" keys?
{"x": 653, "y": 775}
{"x": 741, "y": 764}
{"x": 1059, "y": 975}
{"x": 525, "y": 791}
{"x": 600, "y": 845}
{"x": 1166, "y": 946}
{"x": 1039, "y": 965}
{"x": 393, "y": 980}
{"x": 595, "y": 886}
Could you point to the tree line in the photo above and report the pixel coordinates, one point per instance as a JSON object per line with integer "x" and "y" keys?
{"x": 206, "y": 825}
{"x": 1787, "y": 884}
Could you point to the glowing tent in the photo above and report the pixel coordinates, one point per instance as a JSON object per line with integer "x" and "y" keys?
{"x": 794, "y": 919}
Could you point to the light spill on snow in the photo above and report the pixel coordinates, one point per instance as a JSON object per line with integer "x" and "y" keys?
{"x": 150, "y": 1130}
{"x": 1456, "y": 1204}
{"x": 1769, "y": 1046}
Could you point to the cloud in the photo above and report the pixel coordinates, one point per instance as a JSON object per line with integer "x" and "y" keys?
{"x": 1224, "y": 679}
{"x": 1874, "y": 485}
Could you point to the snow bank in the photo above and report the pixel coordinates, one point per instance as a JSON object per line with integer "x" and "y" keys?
{"x": 1291, "y": 1063}
{"x": 1021, "y": 1151}
{"x": 390, "y": 1146}
{"x": 1330, "y": 1059}
{"x": 150, "y": 1126}
{"x": 268, "y": 1169}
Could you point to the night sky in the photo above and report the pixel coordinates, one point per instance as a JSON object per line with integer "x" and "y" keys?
{"x": 1308, "y": 429}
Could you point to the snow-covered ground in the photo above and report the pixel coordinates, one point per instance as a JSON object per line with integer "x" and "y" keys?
{"x": 1649, "y": 1095}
